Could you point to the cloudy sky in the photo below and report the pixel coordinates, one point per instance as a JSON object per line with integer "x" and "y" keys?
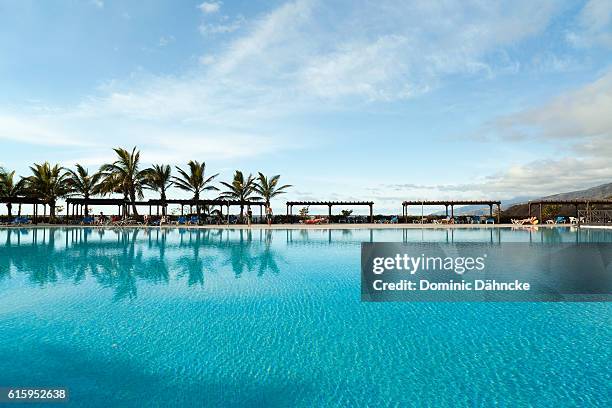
{"x": 347, "y": 99}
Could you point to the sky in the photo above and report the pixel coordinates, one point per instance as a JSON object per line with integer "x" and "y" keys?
{"x": 349, "y": 99}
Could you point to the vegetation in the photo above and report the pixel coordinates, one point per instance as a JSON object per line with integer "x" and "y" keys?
{"x": 48, "y": 184}
{"x": 240, "y": 189}
{"x": 268, "y": 188}
{"x": 194, "y": 180}
{"x": 124, "y": 176}
{"x": 550, "y": 211}
{"x": 346, "y": 213}
{"x": 81, "y": 183}
{"x": 158, "y": 178}
{"x": 10, "y": 189}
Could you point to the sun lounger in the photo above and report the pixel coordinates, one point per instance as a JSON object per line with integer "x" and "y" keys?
{"x": 528, "y": 221}
{"x": 20, "y": 221}
{"x": 87, "y": 220}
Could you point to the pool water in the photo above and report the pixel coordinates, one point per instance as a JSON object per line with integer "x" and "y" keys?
{"x": 150, "y": 317}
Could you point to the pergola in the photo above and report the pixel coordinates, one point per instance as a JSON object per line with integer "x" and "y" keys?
{"x": 452, "y": 204}
{"x": 576, "y": 203}
{"x": 25, "y": 200}
{"x": 78, "y": 204}
{"x": 330, "y": 204}
{"x": 192, "y": 203}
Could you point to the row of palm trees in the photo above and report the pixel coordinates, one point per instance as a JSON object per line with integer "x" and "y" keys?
{"x": 124, "y": 176}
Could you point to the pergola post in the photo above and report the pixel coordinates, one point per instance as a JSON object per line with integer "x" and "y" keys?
{"x": 498, "y": 213}
{"x": 371, "y": 213}
{"x": 529, "y": 210}
{"x": 490, "y": 210}
{"x": 541, "y": 220}
{"x": 329, "y": 212}
{"x": 446, "y": 205}
{"x": 452, "y": 211}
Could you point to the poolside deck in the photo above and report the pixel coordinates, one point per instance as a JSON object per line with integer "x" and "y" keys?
{"x": 311, "y": 226}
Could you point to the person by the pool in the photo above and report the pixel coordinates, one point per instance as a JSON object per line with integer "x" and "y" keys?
{"x": 269, "y": 214}
{"x": 249, "y": 215}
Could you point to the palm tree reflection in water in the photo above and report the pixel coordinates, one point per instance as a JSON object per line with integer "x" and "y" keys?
{"x": 121, "y": 258}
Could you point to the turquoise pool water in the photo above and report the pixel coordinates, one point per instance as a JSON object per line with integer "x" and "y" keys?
{"x": 139, "y": 317}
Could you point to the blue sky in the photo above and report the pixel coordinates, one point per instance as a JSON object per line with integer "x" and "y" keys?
{"x": 381, "y": 100}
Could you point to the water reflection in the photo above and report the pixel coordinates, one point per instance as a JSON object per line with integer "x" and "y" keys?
{"x": 122, "y": 258}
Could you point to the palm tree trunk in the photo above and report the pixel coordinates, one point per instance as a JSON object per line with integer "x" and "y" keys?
{"x": 52, "y": 209}
{"x": 19, "y": 210}
{"x": 197, "y": 198}
{"x": 133, "y": 199}
{"x": 241, "y": 213}
{"x": 163, "y": 202}
{"x": 9, "y": 207}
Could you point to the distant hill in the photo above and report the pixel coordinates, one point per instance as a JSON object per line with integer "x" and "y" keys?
{"x": 598, "y": 192}
{"x": 484, "y": 210}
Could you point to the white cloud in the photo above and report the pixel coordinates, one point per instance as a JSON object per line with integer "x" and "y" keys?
{"x": 39, "y": 129}
{"x": 593, "y": 25}
{"x": 209, "y": 7}
{"x": 224, "y": 27}
{"x": 575, "y": 128}
{"x": 579, "y": 114}
{"x": 380, "y": 50}
{"x": 235, "y": 102}
{"x": 165, "y": 40}
{"x": 206, "y": 59}
{"x": 98, "y": 3}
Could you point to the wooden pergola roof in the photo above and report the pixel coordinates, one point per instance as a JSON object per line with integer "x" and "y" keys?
{"x": 21, "y": 200}
{"x": 330, "y": 202}
{"x": 96, "y": 201}
{"x": 570, "y": 202}
{"x": 121, "y": 201}
{"x": 452, "y": 202}
{"x": 205, "y": 202}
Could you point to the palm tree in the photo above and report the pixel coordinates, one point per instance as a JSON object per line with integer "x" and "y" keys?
{"x": 10, "y": 189}
{"x": 158, "y": 178}
{"x": 123, "y": 176}
{"x": 195, "y": 181}
{"x": 48, "y": 184}
{"x": 83, "y": 184}
{"x": 268, "y": 188}
{"x": 240, "y": 189}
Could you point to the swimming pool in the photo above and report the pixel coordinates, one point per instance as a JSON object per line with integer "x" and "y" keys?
{"x": 150, "y": 317}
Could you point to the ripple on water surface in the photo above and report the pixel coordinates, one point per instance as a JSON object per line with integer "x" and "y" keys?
{"x": 135, "y": 317}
